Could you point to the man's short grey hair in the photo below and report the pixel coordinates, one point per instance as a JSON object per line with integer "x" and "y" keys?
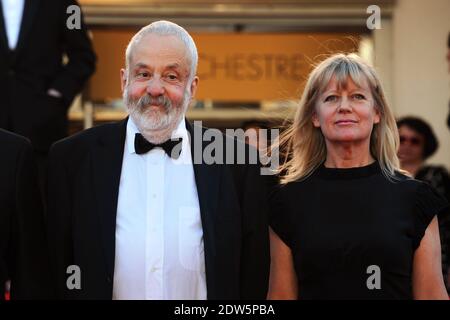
{"x": 165, "y": 28}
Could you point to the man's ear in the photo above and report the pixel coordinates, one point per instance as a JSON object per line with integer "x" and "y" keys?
{"x": 123, "y": 79}
{"x": 193, "y": 88}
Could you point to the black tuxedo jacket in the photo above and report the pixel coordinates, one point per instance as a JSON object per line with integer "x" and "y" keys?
{"x": 23, "y": 251}
{"x": 36, "y": 65}
{"x": 82, "y": 196}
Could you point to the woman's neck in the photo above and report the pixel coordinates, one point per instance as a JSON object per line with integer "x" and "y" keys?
{"x": 348, "y": 155}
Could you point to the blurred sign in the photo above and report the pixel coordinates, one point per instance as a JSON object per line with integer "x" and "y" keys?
{"x": 232, "y": 67}
{"x": 254, "y": 67}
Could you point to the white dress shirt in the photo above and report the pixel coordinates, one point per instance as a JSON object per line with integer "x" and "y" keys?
{"x": 12, "y": 14}
{"x": 159, "y": 236}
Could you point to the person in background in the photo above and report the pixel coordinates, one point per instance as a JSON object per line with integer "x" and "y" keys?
{"x": 253, "y": 136}
{"x": 36, "y": 86}
{"x": 417, "y": 143}
{"x": 24, "y": 261}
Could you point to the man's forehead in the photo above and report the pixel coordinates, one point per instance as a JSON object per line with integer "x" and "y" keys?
{"x": 165, "y": 44}
{"x": 154, "y": 50}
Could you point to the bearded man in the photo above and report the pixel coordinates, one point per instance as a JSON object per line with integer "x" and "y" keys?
{"x": 131, "y": 215}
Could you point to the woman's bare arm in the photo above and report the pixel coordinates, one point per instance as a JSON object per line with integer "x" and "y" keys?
{"x": 283, "y": 279}
{"x": 428, "y": 282}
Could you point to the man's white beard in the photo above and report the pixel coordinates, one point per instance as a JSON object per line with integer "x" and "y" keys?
{"x": 156, "y": 125}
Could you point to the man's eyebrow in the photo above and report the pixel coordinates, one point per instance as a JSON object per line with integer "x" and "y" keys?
{"x": 173, "y": 66}
{"x": 170, "y": 66}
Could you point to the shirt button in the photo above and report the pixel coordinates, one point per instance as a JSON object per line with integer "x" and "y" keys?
{"x": 154, "y": 196}
{"x": 154, "y": 269}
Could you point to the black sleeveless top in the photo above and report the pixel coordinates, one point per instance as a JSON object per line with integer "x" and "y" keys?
{"x": 353, "y": 232}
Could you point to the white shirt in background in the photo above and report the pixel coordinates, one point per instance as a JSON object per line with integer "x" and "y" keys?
{"x": 12, "y": 14}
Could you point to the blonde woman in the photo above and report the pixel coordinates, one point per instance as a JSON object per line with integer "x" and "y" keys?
{"x": 346, "y": 222}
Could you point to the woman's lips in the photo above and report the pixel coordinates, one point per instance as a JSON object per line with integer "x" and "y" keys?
{"x": 345, "y": 122}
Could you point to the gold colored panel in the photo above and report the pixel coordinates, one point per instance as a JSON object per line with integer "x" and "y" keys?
{"x": 232, "y": 67}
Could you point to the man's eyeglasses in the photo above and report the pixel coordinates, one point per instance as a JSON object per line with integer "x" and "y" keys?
{"x": 413, "y": 141}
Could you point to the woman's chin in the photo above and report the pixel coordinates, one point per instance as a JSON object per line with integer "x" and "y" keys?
{"x": 348, "y": 138}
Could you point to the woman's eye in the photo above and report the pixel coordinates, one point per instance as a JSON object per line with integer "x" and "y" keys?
{"x": 359, "y": 96}
{"x": 331, "y": 98}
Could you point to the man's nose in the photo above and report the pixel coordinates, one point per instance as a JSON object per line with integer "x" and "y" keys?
{"x": 155, "y": 87}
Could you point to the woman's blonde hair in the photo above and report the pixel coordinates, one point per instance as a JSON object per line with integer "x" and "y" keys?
{"x": 304, "y": 145}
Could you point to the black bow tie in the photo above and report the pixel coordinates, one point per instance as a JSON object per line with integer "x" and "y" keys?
{"x": 142, "y": 145}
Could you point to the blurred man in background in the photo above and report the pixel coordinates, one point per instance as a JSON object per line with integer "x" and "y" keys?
{"x": 35, "y": 85}
{"x": 23, "y": 249}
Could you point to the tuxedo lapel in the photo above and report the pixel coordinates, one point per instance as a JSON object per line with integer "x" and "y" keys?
{"x": 29, "y": 14}
{"x": 207, "y": 178}
{"x": 107, "y": 167}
